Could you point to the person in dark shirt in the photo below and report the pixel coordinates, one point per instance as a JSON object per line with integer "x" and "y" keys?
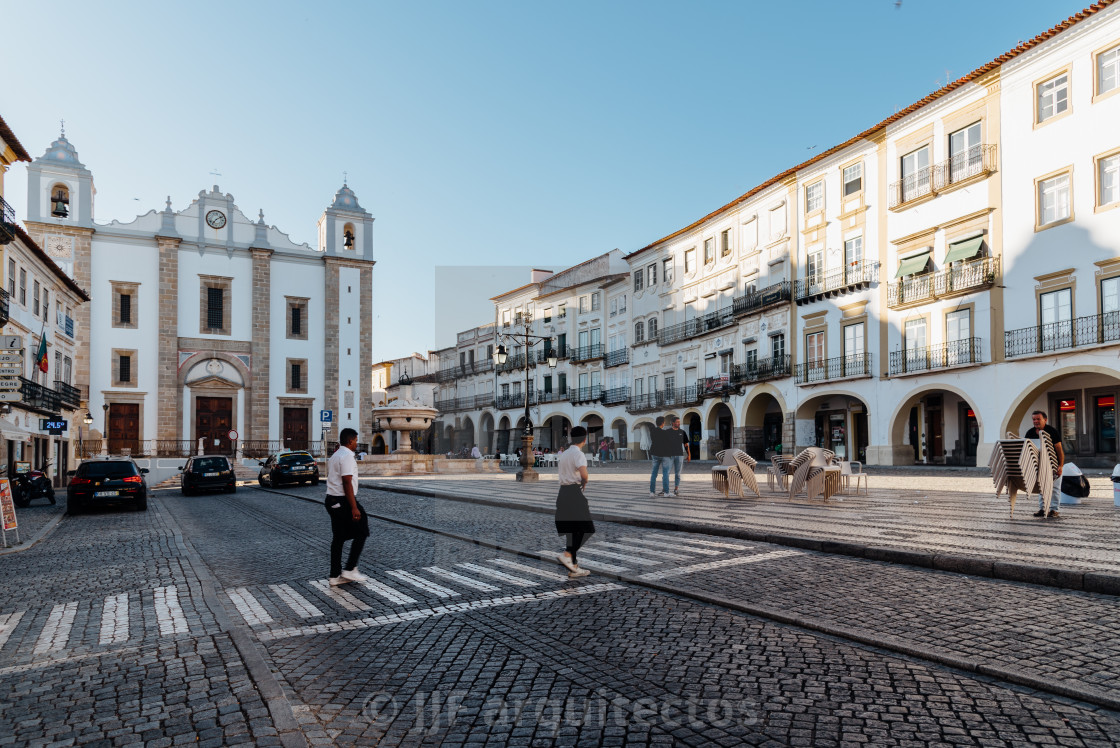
{"x": 682, "y": 453}
{"x": 1038, "y": 418}
{"x": 661, "y": 452}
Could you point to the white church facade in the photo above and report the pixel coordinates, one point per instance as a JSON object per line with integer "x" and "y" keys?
{"x": 207, "y": 327}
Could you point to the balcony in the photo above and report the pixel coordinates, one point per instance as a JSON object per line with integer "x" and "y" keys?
{"x": 760, "y": 371}
{"x": 1059, "y": 336}
{"x": 71, "y": 397}
{"x": 827, "y": 370}
{"x": 977, "y": 161}
{"x": 944, "y": 356}
{"x": 962, "y": 278}
{"x": 756, "y": 301}
{"x": 616, "y": 395}
{"x": 449, "y": 373}
{"x": 514, "y": 361}
{"x": 675, "y": 398}
{"x": 39, "y": 398}
{"x": 4, "y": 307}
{"x": 695, "y": 327}
{"x": 505, "y": 402}
{"x": 585, "y": 394}
{"x": 551, "y": 396}
{"x": 7, "y": 222}
{"x": 617, "y": 358}
{"x": 587, "y": 353}
{"x": 845, "y": 280}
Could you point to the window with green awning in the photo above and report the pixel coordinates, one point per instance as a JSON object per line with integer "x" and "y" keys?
{"x": 965, "y": 250}
{"x": 913, "y": 265}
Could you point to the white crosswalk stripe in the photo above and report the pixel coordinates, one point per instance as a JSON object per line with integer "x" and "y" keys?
{"x": 474, "y": 584}
{"x": 387, "y": 592}
{"x": 595, "y": 551}
{"x": 705, "y": 543}
{"x": 297, "y": 602}
{"x": 114, "y": 620}
{"x": 340, "y": 596}
{"x": 501, "y": 576}
{"x": 8, "y": 623}
{"x": 592, "y": 564}
{"x": 739, "y": 560}
{"x": 248, "y": 606}
{"x": 422, "y": 584}
{"x": 56, "y": 632}
{"x": 530, "y": 569}
{"x": 674, "y": 546}
{"x": 646, "y": 551}
{"x": 169, "y": 613}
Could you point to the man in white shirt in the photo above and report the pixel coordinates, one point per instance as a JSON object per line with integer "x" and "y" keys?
{"x": 573, "y": 516}
{"x": 348, "y": 518}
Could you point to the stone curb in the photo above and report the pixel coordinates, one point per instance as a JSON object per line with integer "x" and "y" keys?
{"x": 42, "y": 533}
{"x": 896, "y": 645}
{"x": 1099, "y": 582}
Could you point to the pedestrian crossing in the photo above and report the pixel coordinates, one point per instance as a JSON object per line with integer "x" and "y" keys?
{"x": 67, "y": 627}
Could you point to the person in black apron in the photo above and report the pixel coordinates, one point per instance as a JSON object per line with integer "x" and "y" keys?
{"x": 573, "y": 516}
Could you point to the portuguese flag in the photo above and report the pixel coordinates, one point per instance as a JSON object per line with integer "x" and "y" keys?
{"x": 41, "y": 354}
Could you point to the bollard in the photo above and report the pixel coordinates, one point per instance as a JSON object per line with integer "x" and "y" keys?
{"x": 1116, "y": 486}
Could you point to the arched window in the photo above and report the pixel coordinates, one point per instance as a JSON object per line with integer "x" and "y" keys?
{"x": 348, "y": 236}
{"x": 60, "y": 201}
{"x": 639, "y": 331}
{"x": 651, "y": 328}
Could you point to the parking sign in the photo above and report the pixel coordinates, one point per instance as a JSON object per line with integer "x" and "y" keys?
{"x": 326, "y": 416}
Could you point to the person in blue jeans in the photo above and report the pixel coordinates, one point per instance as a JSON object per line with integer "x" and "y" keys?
{"x": 661, "y": 455}
{"x": 679, "y": 439}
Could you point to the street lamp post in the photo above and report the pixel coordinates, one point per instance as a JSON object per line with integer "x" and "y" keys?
{"x": 526, "y": 474}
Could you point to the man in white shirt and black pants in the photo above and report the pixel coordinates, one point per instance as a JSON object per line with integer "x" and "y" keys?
{"x": 573, "y": 516}
{"x": 348, "y": 518}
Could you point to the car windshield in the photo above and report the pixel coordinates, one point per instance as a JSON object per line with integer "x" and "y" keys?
{"x": 210, "y": 463}
{"x": 296, "y": 460}
{"x": 107, "y": 469}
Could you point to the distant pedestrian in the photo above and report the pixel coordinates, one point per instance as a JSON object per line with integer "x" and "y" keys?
{"x": 1038, "y": 418}
{"x": 348, "y": 518}
{"x": 682, "y": 453}
{"x": 604, "y": 449}
{"x": 660, "y": 450}
{"x": 475, "y": 453}
{"x": 573, "y": 516}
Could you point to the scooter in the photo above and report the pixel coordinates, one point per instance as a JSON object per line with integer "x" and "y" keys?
{"x": 31, "y": 485}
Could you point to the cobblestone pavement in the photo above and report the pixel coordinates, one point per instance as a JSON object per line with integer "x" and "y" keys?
{"x": 33, "y": 520}
{"x": 208, "y": 619}
{"x": 950, "y": 511}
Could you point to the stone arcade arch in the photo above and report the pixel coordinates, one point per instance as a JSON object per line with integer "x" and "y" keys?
{"x": 720, "y": 426}
{"x": 486, "y": 433}
{"x": 553, "y": 433}
{"x": 834, "y": 420}
{"x": 936, "y": 424}
{"x": 764, "y": 422}
{"x": 503, "y": 437}
{"x": 465, "y": 434}
{"x": 593, "y": 422}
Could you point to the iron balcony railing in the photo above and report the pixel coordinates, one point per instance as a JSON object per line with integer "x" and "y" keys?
{"x": 512, "y": 401}
{"x": 760, "y": 370}
{"x": 843, "y": 367}
{"x": 674, "y": 398}
{"x": 942, "y": 356}
{"x": 7, "y": 222}
{"x": 587, "y": 352}
{"x": 979, "y": 159}
{"x": 695, "y": 327}
{"x": 449, "y": 373}
{"x": 1057, "y": 336}
{"x": 39, "y": 397}
{"x": 585, "y": 394}
{"x": 551, "y": 396}
{"x": 854, "y": 276}
{"x": 71, "y": 397}
{"x": 5, "y": 309}
{"x": 754, "y": 301}
{"x": 513, "y": 362}
{"x": 616, "y": 395}
{"x": 447, "y": 406}
{"x": 959, "y": 278}
{"x": 485, "y": 400}
{"x": 617, "y": 358}
{"x": 184, "y": 448}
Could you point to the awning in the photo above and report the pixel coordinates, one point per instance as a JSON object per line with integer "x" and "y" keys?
{"x": 965, "y": 250}
{"x": 912, "y": 265}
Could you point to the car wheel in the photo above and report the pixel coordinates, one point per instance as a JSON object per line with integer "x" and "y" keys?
{"x": 74, "y": 506}
{"x": 141, "y": 504}
{"x": 231, "y": 489}
{"x": 315, "y": 482}
{"x": 186, "y": 491}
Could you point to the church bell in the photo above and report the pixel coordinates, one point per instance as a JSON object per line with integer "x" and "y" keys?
{"x": 58, "y": 205}
{"x": 348, "y": 241}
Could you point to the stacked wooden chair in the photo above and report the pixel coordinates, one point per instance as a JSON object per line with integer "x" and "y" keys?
{"x": 809, "y": 470}
{"x": 776, "y": 476}
{"x": 735, "y": 469}
{"x": 1019, "y": 466}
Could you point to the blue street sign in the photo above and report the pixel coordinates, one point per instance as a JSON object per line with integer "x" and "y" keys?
{"x": 326, "y": 416}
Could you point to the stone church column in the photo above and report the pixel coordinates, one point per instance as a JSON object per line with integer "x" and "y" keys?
{"x": 364, "y": 400}
{"x": 169, "y": 401}
{"x": 257, "y": 423}
{"x": 330, "y": 348}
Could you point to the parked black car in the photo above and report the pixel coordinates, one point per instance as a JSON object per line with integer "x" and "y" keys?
{"x": 105, "y": 481}
{"x": 289, "y": 468}
{"x": 210, "y": 472}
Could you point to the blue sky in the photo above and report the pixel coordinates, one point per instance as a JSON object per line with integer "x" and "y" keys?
{"x": 477, "y": 133}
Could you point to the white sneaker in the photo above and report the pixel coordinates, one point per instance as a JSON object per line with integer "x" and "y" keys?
{"x": 354, "y": 575}
{"x": 566, "y": 560}
{"x": 652, "y": 495}
{"x": 663, "y": 494}
{"x": 577, "y": 573}
{"x": 676, "y": 492}
{"x": 336, "y": 581}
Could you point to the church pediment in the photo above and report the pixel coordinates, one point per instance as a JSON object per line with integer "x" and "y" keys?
{"x": 214, "y": 372}
{"x": 214, "y": 383}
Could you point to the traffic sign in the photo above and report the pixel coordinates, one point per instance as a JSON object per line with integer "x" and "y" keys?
{"x": 232, "y": 435}
{"x": 10, "y": 371}
{"x": 326, "y": 416}
{"x": 10, "y": 396}
{"x": 8, "y": 357}
{"x": 11, "y": 341}
{"x": 10, "y": 384}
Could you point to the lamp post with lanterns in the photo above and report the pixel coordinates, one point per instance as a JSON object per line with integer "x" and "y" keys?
{"x": 526, "y": 474}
